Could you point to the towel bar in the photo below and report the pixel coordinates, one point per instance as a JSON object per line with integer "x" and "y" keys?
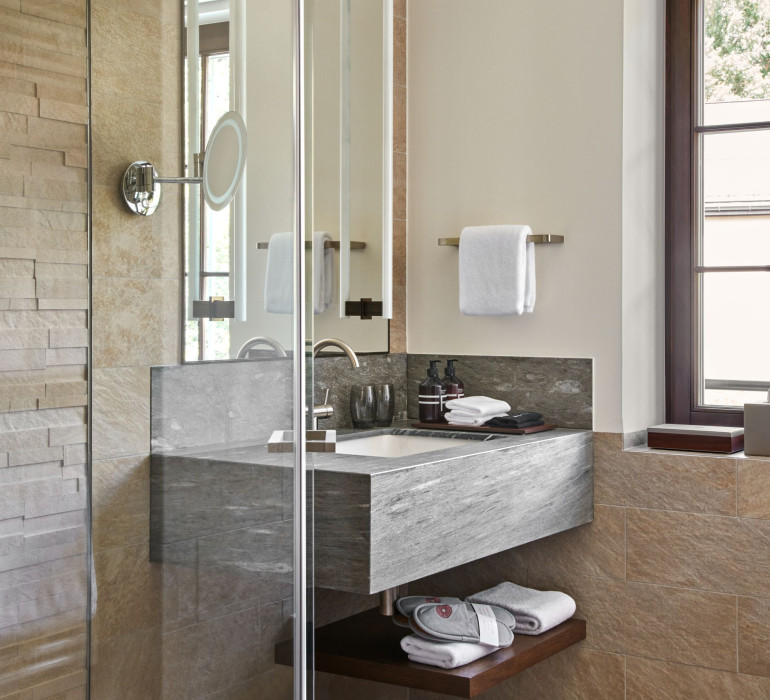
{"x": 537, "y": 238}
{"x": 354, "y": 245}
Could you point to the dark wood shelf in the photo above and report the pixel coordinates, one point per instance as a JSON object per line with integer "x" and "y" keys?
{"x": 367, "y": 646}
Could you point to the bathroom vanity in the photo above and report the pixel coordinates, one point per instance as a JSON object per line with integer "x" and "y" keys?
{"x": 382, "y": 518}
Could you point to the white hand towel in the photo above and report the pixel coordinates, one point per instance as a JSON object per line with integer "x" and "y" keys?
{"x": 323, "y": 272}
{"x": 279, "y": 275}
{"x": 443, "y": 654}
{"x": 461, "y": 418}
{"x": 535, "y": 611}
{"x": 497, "y": 271}
{"x": 479, "y": 405}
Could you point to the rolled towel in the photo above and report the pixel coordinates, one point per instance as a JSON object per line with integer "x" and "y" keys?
{"x": 443, "y": 654}
{"x": 479, "y": 405}
{"x": 468, "y": 419}
{"x": 535, "y": 611}
{"x": 467, "y": 622}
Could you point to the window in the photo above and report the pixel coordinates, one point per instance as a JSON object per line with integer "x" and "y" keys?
{"x": 717, "y": 208}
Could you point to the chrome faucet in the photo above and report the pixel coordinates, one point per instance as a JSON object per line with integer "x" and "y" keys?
{"x": 325, "y": 409}
{"x": 261, "y": 340}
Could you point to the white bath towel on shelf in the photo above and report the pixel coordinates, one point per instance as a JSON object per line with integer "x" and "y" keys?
{"x": 323, "y": 272}
{"x": 535, "y": 611}
{"x": 479, "y": 406}
{"x": 497, "y": 271}
{"x": 470, "y": 419}
{"x": 279, "y": 275}
{"x": 443, "y": 654}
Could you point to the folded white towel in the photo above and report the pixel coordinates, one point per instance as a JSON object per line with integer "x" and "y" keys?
{"x": 323, "y": 272}
{"x": 535, "y": 611}
{"x": 462, "y": 418}
{"x": 497, "y": 271}
{"x": 443, "y": 654}
{"x": 478, "y": 405}
{"x": 279, "y": 275}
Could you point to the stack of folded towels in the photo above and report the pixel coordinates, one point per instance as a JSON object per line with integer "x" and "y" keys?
{"x": 475, "y": 410}
{"x": 483, "y": 410}
{"x": 449, "y": 632}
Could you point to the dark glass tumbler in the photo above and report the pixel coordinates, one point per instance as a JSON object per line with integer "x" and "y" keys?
{"x": 362, "y": 405}
{"x": 385, "y": 404}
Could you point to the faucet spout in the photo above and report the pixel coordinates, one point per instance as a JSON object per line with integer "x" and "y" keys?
{"x": 261, "y": 340}
{"x": 341, "y": 344}
{"x": 325, "y": 410}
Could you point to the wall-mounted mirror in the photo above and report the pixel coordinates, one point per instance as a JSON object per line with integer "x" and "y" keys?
{"x": 240, "y": 252}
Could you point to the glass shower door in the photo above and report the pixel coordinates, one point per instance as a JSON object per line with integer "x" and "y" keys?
{"x": 199, "y": 528}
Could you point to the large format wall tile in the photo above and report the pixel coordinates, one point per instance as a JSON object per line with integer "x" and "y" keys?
{"x": 647, "y": 679}
{"x": 575, "y": 674}
{"x": 121, "y": 407}
{"x": 729, "y": 555}
{"x": 596, "y": 549}
{"x": 754, "y": 488}
{"x": 667, "y": 481}
{"x": 654, "y": 621}
{"x": 754, "y": 636}
{"x": 120, "y": 502}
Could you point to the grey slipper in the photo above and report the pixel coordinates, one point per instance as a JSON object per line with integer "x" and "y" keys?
{"x": 408, "y": 604}
{"x": 464, "y": 622}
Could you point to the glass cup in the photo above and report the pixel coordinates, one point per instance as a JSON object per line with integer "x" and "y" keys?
{"x": 385, "y": 404}
{"x": 362, "y": 405}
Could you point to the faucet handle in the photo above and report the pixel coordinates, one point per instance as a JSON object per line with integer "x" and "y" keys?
{"x": 326, "y": 398}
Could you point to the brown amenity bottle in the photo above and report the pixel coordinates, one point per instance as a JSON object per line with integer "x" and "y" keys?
{"x": 431, "y": 396}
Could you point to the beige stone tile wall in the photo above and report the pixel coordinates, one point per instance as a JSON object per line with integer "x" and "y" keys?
{"x": 136, "y": 282}
{"x": 673, "y": 578}
{"x": 43, "y": 340}
{"x": 398, "y": 323}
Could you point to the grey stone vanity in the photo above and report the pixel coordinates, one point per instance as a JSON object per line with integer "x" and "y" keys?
{"x": 379, "y": 521}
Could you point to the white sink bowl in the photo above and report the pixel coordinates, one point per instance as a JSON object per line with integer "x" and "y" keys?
{"x": 397, "y": 445}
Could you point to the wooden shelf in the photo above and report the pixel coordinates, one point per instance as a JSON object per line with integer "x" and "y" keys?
{"x": 367, "y": 646}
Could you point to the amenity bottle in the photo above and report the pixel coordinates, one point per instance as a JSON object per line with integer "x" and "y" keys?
{"x": 455, "y": 389}
{"x": 431, "y": 398}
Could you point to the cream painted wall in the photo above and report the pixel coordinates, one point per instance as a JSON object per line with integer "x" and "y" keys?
{"x": 643, "y": 223}
{"x": 516, "y": 116}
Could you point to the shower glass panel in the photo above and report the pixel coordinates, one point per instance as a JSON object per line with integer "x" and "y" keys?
{"x": 198, "y": 531}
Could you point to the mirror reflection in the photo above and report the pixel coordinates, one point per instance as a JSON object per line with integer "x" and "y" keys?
{"x": 243, "y": 252}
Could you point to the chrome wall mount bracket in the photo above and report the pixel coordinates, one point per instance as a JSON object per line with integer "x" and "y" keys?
{"x": 140, "y": 188}
{"x": 141, "y": 185}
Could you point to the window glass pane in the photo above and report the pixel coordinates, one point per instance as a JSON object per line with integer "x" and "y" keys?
{"x": 736, "y": 193}
{"x": 734, "y": 336}
{"x": 736, "y": 67}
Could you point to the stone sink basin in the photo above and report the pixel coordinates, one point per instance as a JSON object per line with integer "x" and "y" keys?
{"x": 399, "y": 445}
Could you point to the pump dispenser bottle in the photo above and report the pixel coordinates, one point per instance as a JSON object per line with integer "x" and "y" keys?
{"x": 455, "y": 389}
{"x": 431, "y": 396}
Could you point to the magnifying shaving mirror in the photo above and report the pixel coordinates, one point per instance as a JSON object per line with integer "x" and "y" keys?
{"x": 223, "y": 165}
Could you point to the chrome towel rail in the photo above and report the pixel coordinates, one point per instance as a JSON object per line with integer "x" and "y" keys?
{"x": 536, "y": 238}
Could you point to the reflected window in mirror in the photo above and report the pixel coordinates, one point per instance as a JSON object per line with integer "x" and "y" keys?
{"x": 205, "y": 338}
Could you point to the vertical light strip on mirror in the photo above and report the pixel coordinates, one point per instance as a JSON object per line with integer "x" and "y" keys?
{"x": 238, "y": 251}
{"x": 344, "y": 154}
{"x": 387, "y": 159}
{"x": 193, "y": 148}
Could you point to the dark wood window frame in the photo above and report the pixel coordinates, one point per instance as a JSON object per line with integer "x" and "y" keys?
{"x": 681, "y": 229}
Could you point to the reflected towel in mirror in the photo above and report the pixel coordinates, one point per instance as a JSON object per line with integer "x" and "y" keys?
{"x": 279, "y": 275}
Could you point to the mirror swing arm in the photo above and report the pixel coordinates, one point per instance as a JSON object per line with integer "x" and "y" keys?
{"x": 141, "y": 189}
